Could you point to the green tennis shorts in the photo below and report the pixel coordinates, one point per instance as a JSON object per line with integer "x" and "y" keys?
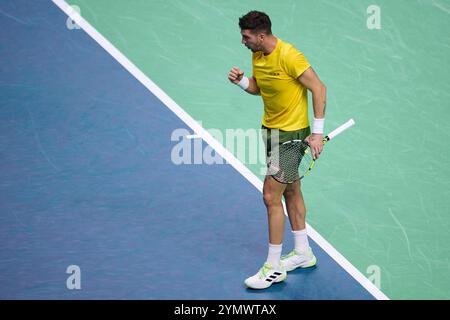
{"x": 280, "y": 164}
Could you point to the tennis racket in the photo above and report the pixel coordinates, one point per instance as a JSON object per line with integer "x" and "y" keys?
{"x": 295, "y": 157}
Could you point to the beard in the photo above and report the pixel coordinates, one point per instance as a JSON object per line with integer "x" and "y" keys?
{"x": 253, "y": 49}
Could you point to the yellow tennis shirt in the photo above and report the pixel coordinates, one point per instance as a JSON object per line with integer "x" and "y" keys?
{"x": 285, "y": 98}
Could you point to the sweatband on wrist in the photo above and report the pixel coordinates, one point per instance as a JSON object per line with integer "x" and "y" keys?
{"x": 318, "y": 125}
{"x": 244, "y": 83}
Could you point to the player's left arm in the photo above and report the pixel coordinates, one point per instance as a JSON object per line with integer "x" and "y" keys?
{"x": 311, "y": 81}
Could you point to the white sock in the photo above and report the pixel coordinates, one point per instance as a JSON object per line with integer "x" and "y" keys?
{"x": 301, "y": 241}
{"x": 273, "y": 258}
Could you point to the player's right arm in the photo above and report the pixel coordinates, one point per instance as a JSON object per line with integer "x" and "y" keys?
{"x": 236, "y": 75}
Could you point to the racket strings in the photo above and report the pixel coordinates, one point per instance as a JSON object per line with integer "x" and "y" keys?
{"x": 290, "y": 161}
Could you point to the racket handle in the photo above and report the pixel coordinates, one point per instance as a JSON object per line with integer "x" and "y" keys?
{"x": 340, "y": 129}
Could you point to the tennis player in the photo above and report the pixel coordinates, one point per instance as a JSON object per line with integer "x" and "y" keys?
{"x": 282, "y": 76}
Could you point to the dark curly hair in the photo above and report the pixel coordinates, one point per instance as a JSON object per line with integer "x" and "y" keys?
{"x": 256, "y": 21}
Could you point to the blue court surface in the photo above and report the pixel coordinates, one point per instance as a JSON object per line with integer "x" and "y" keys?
{"x": 87, "y": 180}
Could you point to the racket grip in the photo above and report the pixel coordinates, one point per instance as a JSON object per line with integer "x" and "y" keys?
{"x": 340, "y": 129}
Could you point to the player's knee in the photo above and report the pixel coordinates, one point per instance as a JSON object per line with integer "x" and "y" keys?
{"x": 270, "y": 199}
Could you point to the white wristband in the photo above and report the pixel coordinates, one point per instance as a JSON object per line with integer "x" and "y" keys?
{"x": 244, "y": 83}
{"x": 318, "y": 125}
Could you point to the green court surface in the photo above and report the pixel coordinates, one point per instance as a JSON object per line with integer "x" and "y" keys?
{"x": 380, "y": 193}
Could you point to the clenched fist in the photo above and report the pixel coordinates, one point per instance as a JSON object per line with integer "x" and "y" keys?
{"x": 235, "y": 75}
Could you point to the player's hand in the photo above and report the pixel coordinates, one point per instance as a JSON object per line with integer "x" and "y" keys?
{"x": 235, "y": 75}
{"x": 315, "y": 141}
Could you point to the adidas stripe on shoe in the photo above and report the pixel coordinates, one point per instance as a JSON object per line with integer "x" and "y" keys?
{"x": 266, "y": 276}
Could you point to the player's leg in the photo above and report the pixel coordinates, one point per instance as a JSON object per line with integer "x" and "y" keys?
{"x": 295, "y": 205}
{"x": 272, "y": 196}
{"x": 272, "y": 270}
{"x": 302, "y": 255}
{"x": 273, "y": 190}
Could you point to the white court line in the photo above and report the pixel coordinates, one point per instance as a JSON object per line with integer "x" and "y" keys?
{"x": 219, "y": 148}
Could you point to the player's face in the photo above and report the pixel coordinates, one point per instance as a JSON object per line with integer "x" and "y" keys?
{"x": 251, "y": 40}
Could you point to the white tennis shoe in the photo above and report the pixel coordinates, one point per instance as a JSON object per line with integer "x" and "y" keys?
{"x": 266, "y": 276}
{"x": 294, "y": 260}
